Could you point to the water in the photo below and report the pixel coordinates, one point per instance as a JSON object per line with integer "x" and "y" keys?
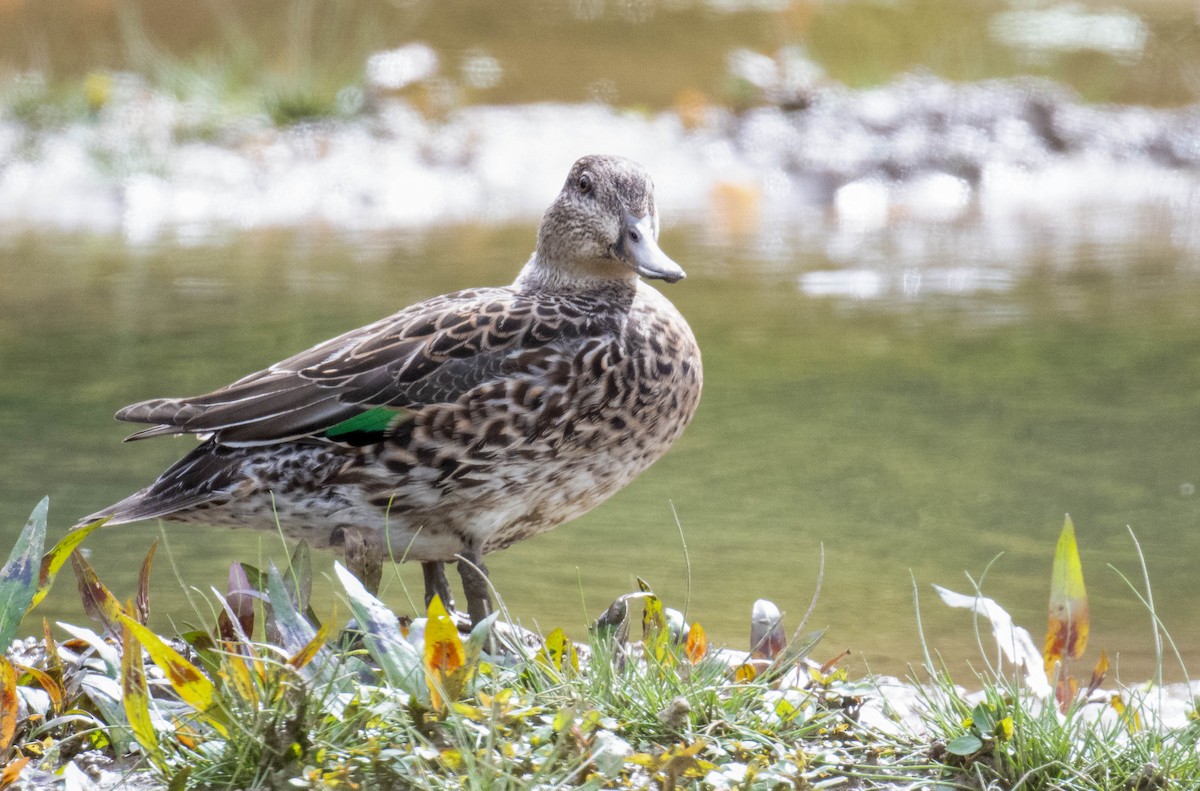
{"x": 913, "y": 366}
{"x": 915, "y": 435}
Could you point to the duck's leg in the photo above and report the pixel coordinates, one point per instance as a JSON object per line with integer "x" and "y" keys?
{"x": 436, "y": 583}
{"x": 365, "y": 554}
{"x": 475, "y": 584}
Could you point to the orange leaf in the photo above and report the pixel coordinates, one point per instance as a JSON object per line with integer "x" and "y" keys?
{"x": 445, "y": 657}
{"x": 8, "y": 703}
{"x": 45, "y": 681}
{"x": 1098, "y": 673}
{"x": 697, "y": 644}
{"x": 1067, "y": 628}
{"x": 1066, "y": 691}
{"x": 13, "y": 771}
{"x": 53, "y": 660}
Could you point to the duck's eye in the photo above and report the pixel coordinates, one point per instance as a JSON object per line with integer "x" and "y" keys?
{"x": 585, "y": 184}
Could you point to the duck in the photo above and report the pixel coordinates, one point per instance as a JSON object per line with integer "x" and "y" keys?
{"x": 463, "y": 423}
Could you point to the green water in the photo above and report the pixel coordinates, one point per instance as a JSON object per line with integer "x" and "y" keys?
{"x": 906, "y": 436}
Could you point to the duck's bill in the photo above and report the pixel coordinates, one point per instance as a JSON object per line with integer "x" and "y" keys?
{"x": 641, "y": 252}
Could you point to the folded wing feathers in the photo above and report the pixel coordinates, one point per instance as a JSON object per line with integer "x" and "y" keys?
{"x": 410, "y": 359}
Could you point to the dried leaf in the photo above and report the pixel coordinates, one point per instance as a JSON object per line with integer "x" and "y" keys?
{"x": 1098, "y": 674}
{"x": 53, "y": 660}
{"x": 12, "y": 772}
{"x": 445, "y": 658}
{"x": 136, "y": 697}
{"x": 1068, "y": 623}
{"x": 1066, "y": 691}
{"x": 98, "y": 601}
{"x": 9, "y": 709}
{"x": 142, "y": 603}
{"x": 18, "y": 577}
{"x": 697, "y": 644}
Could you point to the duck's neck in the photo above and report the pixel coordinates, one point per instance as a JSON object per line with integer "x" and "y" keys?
{"x": 541, "y": 275}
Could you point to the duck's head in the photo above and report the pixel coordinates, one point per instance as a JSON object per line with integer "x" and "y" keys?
{"x": 604, "y": 224}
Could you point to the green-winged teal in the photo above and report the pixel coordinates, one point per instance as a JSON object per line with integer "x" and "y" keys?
{"x": 463, "y": 423}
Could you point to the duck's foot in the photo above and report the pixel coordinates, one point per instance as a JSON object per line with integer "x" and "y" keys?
{"x": 365, "y": 554}
{"x": 437, "y": 584}
{"x": 475, "y": 585}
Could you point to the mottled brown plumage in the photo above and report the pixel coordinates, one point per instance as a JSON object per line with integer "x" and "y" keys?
{"x": 460, "y": 424}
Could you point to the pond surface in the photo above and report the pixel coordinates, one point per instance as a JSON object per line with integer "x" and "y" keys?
{"x": 923, "y": 426}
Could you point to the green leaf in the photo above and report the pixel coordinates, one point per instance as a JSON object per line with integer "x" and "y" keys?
{"x": 967, "y": 744}
{"x": 1069, "y": 621}
{"x": 294, "y": 633}
{"x": 401, "y": 663}
{"x": 19, "y": 577}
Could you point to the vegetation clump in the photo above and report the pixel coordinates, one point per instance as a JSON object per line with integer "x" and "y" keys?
{"x": 268, "y": 696}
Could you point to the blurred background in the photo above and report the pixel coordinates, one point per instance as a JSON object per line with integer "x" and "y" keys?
{"x": 943, "y": 258}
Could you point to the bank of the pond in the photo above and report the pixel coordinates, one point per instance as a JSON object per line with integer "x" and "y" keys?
{"x": 1004, "y": 154}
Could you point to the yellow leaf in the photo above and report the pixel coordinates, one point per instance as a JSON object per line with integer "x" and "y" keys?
{"x": 53, "y": 560}
{"x": 744, "y": 674}
{"x": 697, "y": 644}
{"x": 1133, "y": 722}
{"x": 445, "y": 657}
{"x": 1067, "y": 628}
{"x": 8, "y": 703}
{"x": 656, "y": 637}
{"x": 238, "y": 671}
{"x": 185, "y": 678}
{"x": 306, "y": 654}
{"x": 136, "y": 697}
{"x": 558, "y": 652}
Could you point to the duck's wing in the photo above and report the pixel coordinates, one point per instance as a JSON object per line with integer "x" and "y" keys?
{"x": 429, "y": 353}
